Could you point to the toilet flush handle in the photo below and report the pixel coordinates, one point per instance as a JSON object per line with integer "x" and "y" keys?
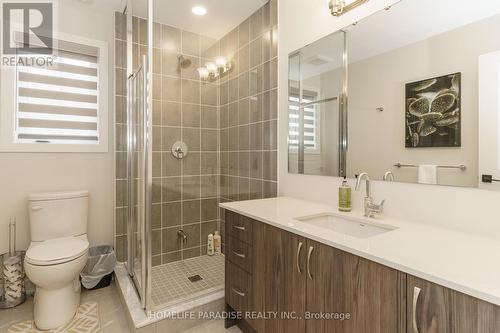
{"x": 36, "y": 208}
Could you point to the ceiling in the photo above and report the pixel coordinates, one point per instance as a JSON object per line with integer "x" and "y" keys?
{"x": 222, "y": 15}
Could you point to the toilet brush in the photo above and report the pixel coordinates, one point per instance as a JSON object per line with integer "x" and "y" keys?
{"x": 12, "y": 237}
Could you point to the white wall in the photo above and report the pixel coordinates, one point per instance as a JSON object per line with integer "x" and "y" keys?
{"x": 472, "y": 210}
{"x": 24, "y": 173}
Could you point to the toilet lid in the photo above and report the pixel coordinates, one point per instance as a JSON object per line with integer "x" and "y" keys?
{"x": 56, "y": 251}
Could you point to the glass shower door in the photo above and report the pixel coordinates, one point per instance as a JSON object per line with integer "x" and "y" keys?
{"x": 139, "y": 160}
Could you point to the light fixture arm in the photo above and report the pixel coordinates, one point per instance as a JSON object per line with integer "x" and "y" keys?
{"x": 340, "y": 7}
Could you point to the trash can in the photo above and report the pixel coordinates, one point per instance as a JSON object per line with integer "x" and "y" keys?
{"x": 12, "y": 289}
{"x": 98, "y": 271}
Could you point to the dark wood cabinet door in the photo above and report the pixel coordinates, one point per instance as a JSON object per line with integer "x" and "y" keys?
{"x": 341, "y": 283}
{"x": 277, "y": 284}
{"x": 432, "y": 308}
{"x": 292, "y": 298}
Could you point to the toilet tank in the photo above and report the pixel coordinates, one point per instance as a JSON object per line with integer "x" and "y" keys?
{"x": 58, "y": 214}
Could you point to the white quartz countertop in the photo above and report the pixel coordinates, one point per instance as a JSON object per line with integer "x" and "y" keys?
{"x": 467, "y": 263}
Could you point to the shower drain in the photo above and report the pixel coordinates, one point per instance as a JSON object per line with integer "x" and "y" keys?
{"x": 195, "y": 278}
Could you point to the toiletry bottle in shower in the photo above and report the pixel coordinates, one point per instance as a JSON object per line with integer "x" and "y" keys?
{"x": 217, "y": 243}
{"x": 210, "y": 245}
{"x": 345, "y": 197}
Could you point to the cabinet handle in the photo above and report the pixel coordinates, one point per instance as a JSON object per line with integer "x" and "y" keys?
{"x": 239, "y": 293}
{"x": 242, "y": 256}
{"x": 299, "y": 248}
{"x": 311, "y": 249}
{"x": 416, "y": 294}
{"x": 238, "y": 227}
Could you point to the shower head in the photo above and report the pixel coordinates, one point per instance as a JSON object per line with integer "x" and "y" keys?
{"x": 183, "y": 62}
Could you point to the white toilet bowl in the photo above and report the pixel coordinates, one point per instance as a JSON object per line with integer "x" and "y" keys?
{"x": 57, "y": 254}
{"x": 54, "y": 267}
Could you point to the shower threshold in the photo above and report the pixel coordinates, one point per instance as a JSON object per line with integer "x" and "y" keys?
{"x": 172, "y": 292}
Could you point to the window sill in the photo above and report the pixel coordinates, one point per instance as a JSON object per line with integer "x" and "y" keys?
{"x": 52, "y": 148}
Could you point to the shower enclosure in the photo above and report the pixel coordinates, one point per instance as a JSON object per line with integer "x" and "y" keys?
{"x": 190, "y": 138}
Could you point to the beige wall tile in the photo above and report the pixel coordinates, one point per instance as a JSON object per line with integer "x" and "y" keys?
{"x": 171, "y": 89}
{"x": 209, "y": 210}
{"x": 191, "y": 137}
{"x": 190, "y": 91}
{"x": 209, "y": 94}
{"x": 156, "y": 216}
{"x": 244, "y": 32}
{"x": 191, "y": 164}
{"x": 208, "y": 163}
{"x": 190, "y": 43}
{"x": 191, "y": 211}
{"x": 170, "y": 165}
{"x": 171, "y": 114}
{"x": 171, "y": 39}
{"x": 191, "y": 116}
{"x": 171, "y": 214}
{"x": 209, "y": 115}
{"x": 209, "y": 140}
{"x": 171, "y": 189}
{"x": 170, "y": 241}
{"x": 170, "y": 63}
{"x": 193, "y": 235}
{"x": 169, "y": 135}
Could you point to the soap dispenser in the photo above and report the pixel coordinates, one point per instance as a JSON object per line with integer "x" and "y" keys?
{"x": 345, "y": 196}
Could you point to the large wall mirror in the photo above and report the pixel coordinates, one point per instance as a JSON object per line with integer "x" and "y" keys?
{"x": 409, "y": 94}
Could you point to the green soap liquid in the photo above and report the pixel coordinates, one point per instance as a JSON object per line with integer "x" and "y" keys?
{"x": 344, "y": 199}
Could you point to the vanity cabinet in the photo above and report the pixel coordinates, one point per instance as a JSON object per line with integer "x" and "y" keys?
{"x": 293, "y": 281}
{"x": 432, "y": 308}
{"x": 368, "y": 292}
{"x": 294, "y": 278}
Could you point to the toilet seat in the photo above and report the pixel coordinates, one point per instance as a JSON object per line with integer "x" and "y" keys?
{"x": 56, "y": 251}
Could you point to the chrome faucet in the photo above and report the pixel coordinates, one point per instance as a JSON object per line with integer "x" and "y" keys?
{"x": 389, "y": 176}
{"x": 370, "y": 208}
{"x": 181, "y": 234}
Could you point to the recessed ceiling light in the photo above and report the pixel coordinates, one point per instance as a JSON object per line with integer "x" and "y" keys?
{"x": 199, "y": 10}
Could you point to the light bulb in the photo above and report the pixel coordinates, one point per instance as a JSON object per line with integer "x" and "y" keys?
{"x": 203, "y": 72}
{"x": 212, "y": 68}
{"x": 221, "y": 62}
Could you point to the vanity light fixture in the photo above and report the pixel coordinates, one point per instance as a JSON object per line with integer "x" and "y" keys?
{"x": 214, "y": 69}
{"x": 199, "y": 10}
{"x": 340, "y": 7}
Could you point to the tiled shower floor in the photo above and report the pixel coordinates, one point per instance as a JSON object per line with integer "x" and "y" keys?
{"x": 170, "y": 283}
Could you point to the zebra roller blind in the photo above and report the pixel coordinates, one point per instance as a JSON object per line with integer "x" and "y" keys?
{"x": 310, "y": 132}
{"x": 59, "y": 103}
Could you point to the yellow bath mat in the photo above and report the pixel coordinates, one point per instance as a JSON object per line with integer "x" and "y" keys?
{"x": 86, "y": 321}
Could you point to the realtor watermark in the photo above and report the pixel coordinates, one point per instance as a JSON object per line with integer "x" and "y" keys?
{"x": 27, "y": 33}
{"x": 248, "y": 315}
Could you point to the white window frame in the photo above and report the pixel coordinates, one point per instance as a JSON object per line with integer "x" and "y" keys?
{"x": 8, "y": 107}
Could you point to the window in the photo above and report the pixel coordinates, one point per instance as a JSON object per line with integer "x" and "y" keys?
{"x": 311, "y": 121}
{"x": 59, "y": 107}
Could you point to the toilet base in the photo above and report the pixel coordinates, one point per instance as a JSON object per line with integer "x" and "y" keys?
{"x": 56, "y": 307}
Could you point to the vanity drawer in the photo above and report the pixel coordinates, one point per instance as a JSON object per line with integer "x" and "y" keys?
{"x": 239, "y": 227}
{"x": 239, "y": 253}
{"x": 237, "y": 287}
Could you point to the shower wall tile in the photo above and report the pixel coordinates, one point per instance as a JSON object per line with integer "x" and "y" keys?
{"x": 248, "y": 115}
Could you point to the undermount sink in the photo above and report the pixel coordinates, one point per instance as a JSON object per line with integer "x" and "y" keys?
{"x": 355, "y": 227}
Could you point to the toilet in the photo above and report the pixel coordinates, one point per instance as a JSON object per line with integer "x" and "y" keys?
{"x": 57, "y": 254}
